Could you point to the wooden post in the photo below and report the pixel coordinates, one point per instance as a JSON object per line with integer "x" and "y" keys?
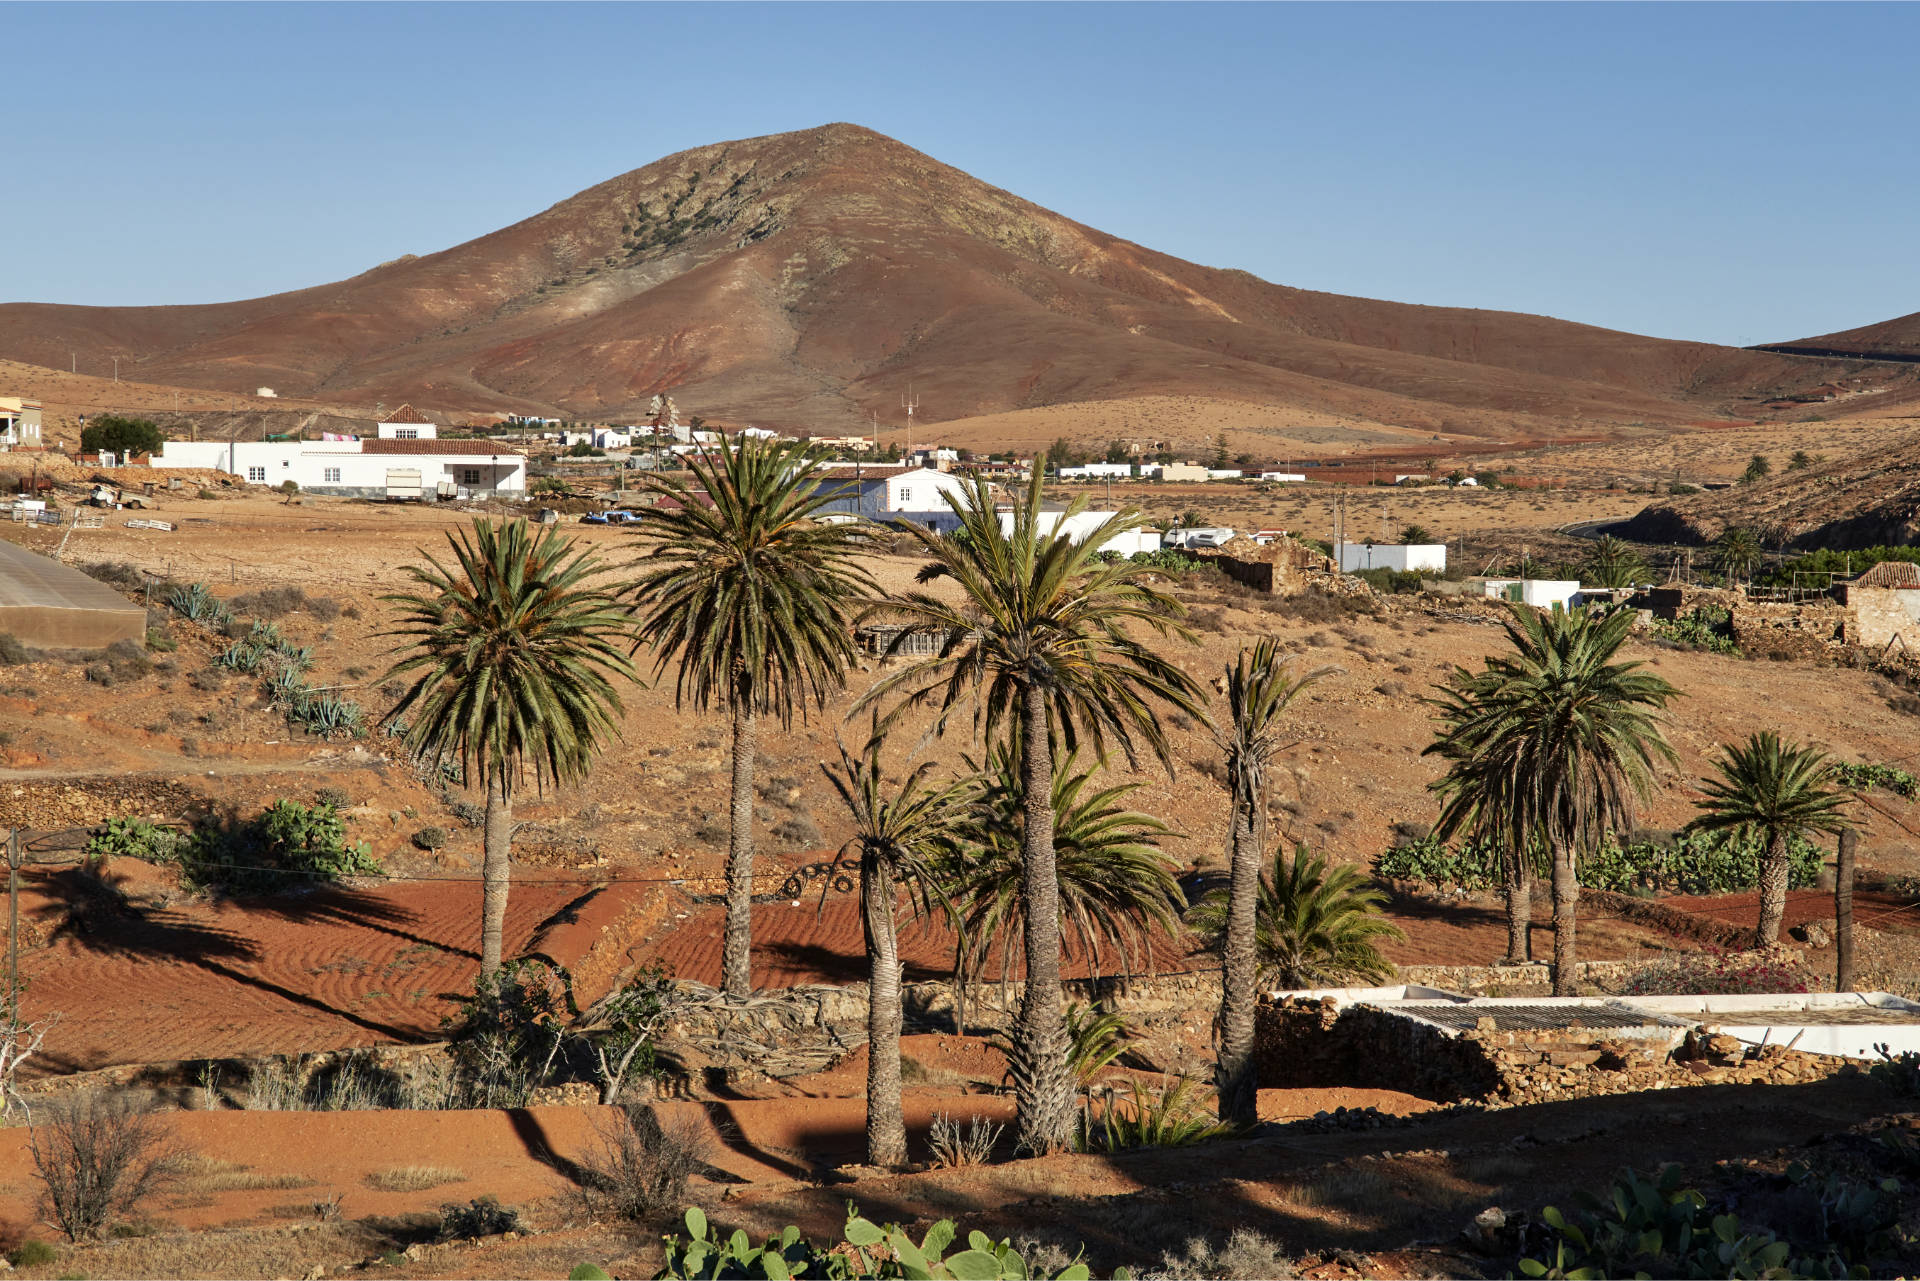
{"x": 1843, "y": 910}
{"x": 13, "y": 925}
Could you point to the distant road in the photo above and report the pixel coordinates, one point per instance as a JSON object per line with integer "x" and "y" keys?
{"x": 1834, "y": 353}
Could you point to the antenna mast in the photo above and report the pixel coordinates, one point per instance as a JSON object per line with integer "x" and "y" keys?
{"x": 909, "y": 402}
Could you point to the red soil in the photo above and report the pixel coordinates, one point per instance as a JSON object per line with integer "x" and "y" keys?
{"x": 320, "y": 971}
{"x": 1874, "y": 909}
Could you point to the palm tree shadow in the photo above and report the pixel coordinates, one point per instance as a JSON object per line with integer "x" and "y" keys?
{"x": 93, "y": 914}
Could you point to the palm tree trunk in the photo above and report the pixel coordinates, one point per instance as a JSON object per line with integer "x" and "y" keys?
{"x": 1566, "y": 896}
{"x": 1043, "y": 1086}
{"x": 497, "y": 871}
{"x": 1234, "y": 1074}
{"x": 1843, "y": 910}
{"x": 886, "y": 1127}
{"x": 1519, "y": 910}
{"x": 736, "y": 948}
{"x": 1773, "y": 890}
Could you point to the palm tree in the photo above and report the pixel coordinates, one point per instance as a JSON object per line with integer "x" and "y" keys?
{"x": 1260, "y": 686}
{"x": 1116, "y": 886}
{"x": 1476, "y": 800}
{"x": 1316, "y": 925}
{"x": 513, "y": 659}
{"x": 1613, "y": 563}
{"x": 901, "y": 832}
{"x": 1772, "y": 792}
{"x": 1041, "y": 644}
{"x": 1554, "y": 744}
{"x": 1736, "y": 552}
{"x": 756, "y": 601}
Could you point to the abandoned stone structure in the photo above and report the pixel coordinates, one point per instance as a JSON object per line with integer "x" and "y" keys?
{"x": 1283, "y": 567}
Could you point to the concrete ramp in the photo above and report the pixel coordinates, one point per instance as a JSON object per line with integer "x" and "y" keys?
{"x": 48, "y": 606}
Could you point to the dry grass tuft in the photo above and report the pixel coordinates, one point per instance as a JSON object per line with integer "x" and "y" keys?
{"x": 414, "y": 1178}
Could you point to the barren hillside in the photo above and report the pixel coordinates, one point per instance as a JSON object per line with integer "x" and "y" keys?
{"x": 808, "y": 279}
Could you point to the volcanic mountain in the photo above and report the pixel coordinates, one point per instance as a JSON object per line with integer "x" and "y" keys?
{"x": 807, "y": 279}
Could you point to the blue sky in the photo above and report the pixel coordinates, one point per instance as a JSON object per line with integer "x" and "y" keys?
{"x": 1725, "y": 172}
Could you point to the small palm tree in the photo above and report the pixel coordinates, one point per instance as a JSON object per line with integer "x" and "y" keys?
{"x": 1613, "y": 563}
{"x": 513, "y": 659}
{"x": 1041, "y": 642}
{"x": 1736, "y": 552}
{"x": 1773, "y": 792}
{"x": 1476, "y": 799}
{"x": 1260, "y": 687}
{"x": 1317, "y": 925}
{"x": 756, "y": 601}
{"x": 1553, "y": 744}
{"x": 901, "y": 832}
{"x": 1117, "y": 887}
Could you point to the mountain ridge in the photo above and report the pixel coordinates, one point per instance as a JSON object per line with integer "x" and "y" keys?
{"x": 807, "y": 279}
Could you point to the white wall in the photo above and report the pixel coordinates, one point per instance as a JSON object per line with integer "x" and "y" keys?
{"x": 922, "y": 490}
{"x": 1098, "y": 471}
{"x": 340, "y": 465}
{"x": 1426, "y": 557}
{"x": 408, "y": 431}
{"x": 1541, "y": 593}
{"x": 1084, "y": 523}
{"x": 1291, "y": 477}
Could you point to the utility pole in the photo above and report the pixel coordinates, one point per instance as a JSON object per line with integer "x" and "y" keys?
{"x": 909, "y": 402}
{"x": 116, "y": 369}
{"x": 13, "y": 926}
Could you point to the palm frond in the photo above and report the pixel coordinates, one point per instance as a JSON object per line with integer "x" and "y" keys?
{"x": 1315, "y": 925}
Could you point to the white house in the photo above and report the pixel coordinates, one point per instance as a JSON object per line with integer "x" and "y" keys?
{"x": 407, "y": 423}
{"x": 361, "y": 468}
{"x": 19, "y": 423}
{"x": 1541, "y": 593}
{"x": 1099, "y": 471}
{"x": 886, "y": 492}
{"x": 1287, "y": 477}
{"x": 1225, "y": 473}
{"x": 1404, "y": 557}
{"x": 1084, "y": 523}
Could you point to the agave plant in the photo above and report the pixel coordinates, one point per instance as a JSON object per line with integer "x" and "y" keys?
{"x": 1317, "y": 925}
{"x": 196, "y": 603}
{"x": 1175, "y": 1115}
{"x": 241, "y": 656}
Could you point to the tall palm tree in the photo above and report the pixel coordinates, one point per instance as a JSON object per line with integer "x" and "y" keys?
{"x": 1116, "y": 885}
{"x": 1477, "y": 799}
{"x": 1555, "y": 743}
{"x": 1774, "y": 792}
{"x": 513, "y": 658}
{"x": 1315, "y": 925}
{"x": 901, "y": 832}
{"x": 1260, "y": 686}
{"x": 1041, "y": 643}
{"x": 1736, "y": 552}
{"x": 755, "y": 600}
{"x": 1612, "y": 563}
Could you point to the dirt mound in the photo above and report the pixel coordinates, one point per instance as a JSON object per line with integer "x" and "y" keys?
{"x": 1866, "y": 501}
{"x": 762, "y": 280}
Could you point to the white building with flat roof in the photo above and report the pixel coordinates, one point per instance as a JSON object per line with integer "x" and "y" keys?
{"x": 361, "y": 468}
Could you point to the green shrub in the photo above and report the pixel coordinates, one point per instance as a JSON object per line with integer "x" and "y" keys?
{"x": 1472, "y": 865}
{"x": 125, "y": 436}
{"x": 1900, "y": 1071}
{"x": 288, "y": 842}
{"x": 1891, "y": 777}
{"x": 1707, "y": 629}
{"x": 430, "y": 838}
{"x": 869, "y": 1250}
{"x": 1391, "y": 582}
{"x": 32, "y": 1254}
{"x": 1693, "y": 863}
{"x": 1175, "y": 1115}
{"x": 12, "y": 652}
{"x": 141, "y": 839}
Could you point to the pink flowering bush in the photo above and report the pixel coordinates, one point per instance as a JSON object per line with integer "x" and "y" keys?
{"x": 1716, "y": 973}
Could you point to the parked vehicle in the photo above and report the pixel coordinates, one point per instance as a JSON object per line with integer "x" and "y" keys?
{"x": 594, "y": 518}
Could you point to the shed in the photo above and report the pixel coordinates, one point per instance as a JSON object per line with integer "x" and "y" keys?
{"x": 45, "y": 604}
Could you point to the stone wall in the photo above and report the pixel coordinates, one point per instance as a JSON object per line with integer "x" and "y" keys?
{"x": 1811, "y": 632}
{"x": 1311, "y": 1043}
{"x": 1884, "y": 616}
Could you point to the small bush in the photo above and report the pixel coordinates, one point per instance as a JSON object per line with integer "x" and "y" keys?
{"x": 1247, "y": 1256}
{"x": 1714, "y": 974}
{"x": 467, "y": 812}
{"x": 953, "y": 1147}
{"x": 12, "y": 652}
{"x": 128, "y": 660}
{"x": 161, "y": 643}
{"x": 1900, "y": 1071}
{"x": 98, "y": 1159}
{"x": 32, "y": 1254}
{"x": 271, "y": 602}
{"x": 480, "y": 1217}
{"x": 796, "y": 829}
{"x": 430, "y": 839}
{"x": 641, "y": 1165}
{"x": 324, "y": 608}
{"x": 337, "y": 797}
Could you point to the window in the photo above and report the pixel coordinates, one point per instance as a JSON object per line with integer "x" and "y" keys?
{"x": 257, "y": 474}
{"x": 906, "y": 495}
{"x": 406, "y": 433}
{"x": 330, "y": 476}
{"x": 470, "y": 476}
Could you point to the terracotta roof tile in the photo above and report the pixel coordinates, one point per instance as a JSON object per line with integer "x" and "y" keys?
{"x": 405, "y": 414}
{"x": 1890, "y": 573}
